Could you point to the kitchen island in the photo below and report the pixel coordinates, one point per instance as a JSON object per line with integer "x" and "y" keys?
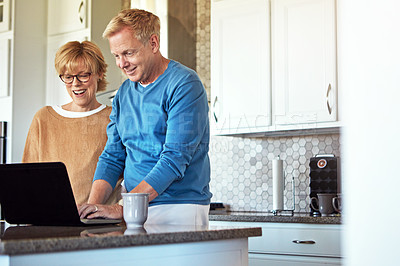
{"x": 116, "y": 245}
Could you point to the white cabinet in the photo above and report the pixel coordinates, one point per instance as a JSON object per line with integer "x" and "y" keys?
{"x": 292, "y": 244}
{"x": 4, "y": 15}
{"x": 228, "y": 252}
{"x": 240, "y": 65}
{"x": 5, "y": 39}
{"x": 273, "y": 65}
{"x": 22, "y": 71}
{"x": 4, "y": 66}
{"x": 284, "y": 260}
{"x": 66, "y": 16}
{"x": 303, "y": 61}
{"x": 78, "y": 20}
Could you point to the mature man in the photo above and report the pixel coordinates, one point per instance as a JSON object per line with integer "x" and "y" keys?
{"x": 158, "y": 136}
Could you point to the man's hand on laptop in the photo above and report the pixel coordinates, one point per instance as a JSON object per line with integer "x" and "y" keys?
{"x": 91, "y": 211}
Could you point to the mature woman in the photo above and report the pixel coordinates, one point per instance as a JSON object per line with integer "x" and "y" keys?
{"x": 74, "y": 133}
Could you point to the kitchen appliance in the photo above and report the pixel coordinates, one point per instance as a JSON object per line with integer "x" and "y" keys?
{"x": 3, "y": 139}
{"x": 324, "y": 176}
{"x": 3, "y": 150}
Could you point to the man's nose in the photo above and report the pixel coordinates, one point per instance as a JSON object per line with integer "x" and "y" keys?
{"x": 122, "y": 62}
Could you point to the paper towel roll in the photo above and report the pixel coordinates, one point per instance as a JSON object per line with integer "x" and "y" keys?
{"x": 277, "y": 184}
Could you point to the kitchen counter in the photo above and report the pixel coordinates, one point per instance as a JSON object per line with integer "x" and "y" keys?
{"x": 118, "y": 243}
{"x": 38, "y": 239}
{"x": 221, "y": 215}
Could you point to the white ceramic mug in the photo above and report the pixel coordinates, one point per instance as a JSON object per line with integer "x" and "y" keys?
{"x": 135, "y": 231}
{"x": 337, "y": 203}
{"x": 136, "y": 206}
{"x": 324, "y": 203}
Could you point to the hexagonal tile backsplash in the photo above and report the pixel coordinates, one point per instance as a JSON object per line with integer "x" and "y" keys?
{"x": 241, "y": 169}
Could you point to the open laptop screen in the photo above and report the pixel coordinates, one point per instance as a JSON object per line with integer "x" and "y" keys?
{"x": 38, "y": 193}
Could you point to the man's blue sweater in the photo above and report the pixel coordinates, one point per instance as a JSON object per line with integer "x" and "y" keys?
{"x": 160, "y": 134}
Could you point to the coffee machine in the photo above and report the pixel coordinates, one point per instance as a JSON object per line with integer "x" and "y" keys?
{"x": 324, "y": 176}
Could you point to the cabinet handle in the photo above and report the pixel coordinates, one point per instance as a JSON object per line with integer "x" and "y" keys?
{"x": 215, "y": 116}
{"x": 327, "y": 99}
{"x": 79, "y": 11}
{"x": 308, "y": 242}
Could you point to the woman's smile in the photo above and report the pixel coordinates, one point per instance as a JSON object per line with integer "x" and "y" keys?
{"x": 79, "y": 92}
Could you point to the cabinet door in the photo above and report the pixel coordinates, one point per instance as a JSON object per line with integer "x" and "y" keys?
{"x": 56, "y": 92}
{"x": 66, "y": 16}
{"x": 304, "y": 61}
{"x": 240, "y": 66}
{"x": 4, "y": 66}
{"x": 4, "y": 15}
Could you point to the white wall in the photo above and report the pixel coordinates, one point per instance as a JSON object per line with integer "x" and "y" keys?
{"x": 369, "y": 81}
{"x": 28, "y": 73}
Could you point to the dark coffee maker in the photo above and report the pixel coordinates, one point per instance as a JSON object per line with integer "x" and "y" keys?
{"x": 324, "y": 176}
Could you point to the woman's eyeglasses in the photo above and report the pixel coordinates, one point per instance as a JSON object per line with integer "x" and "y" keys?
{"x": 68, "y": 79}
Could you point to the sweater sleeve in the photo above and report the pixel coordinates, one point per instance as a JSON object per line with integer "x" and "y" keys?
{"x": 112, "y": 160}
{"x": 187, "y": 126}
{"x": 31, "y": 150}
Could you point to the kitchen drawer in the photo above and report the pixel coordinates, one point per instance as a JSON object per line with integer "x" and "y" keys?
{"x": 277, "y": 238}
{"x": 298, "y": 239}
{"x": 256, "y": 259}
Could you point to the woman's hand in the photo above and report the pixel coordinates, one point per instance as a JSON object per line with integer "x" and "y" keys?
{"x": 91, "y": 211}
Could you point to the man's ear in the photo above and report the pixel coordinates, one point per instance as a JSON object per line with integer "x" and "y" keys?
{"x": 154, "y": 42}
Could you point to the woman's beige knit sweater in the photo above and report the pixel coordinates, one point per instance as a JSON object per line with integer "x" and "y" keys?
{"x": 77, "y": 142}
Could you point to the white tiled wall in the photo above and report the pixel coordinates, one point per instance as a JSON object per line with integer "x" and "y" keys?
{"x": 241, "y": 169}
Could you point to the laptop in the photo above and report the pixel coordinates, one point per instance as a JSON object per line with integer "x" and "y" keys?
{"x": 40, "y": 194}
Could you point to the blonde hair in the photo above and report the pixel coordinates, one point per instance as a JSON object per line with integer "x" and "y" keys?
{"x": 75, "y": 54}
{"x": 143, "y": 24}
